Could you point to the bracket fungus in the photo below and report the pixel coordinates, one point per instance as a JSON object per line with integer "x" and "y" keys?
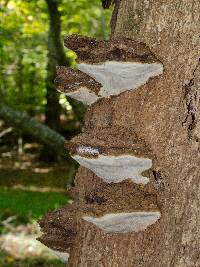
{"x": 124, "y": 222}
{"x": 117, "y": 65}
{"x": 63, "y": 256}
{"x": 111, "y": 157}
{"x": 59, "y": 231}
{"x": 121, "y": 208}
{"x": 117, "y": 203}
{"x": 114, "y": 208}
{"x": 77, "y": 84}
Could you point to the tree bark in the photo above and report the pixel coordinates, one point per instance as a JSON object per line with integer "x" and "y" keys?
{"x": 23, "y": 123}
{"x": 163, "y": 113}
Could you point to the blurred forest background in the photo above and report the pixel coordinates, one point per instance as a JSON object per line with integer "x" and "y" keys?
{"x": 35, "y": 120}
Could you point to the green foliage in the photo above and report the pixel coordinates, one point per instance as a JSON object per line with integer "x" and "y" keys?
{"x": 85, "y": 18}
{"x": 23, "y": 47}
{"x": 28, "y": 205}
{"x": 23, "y": 55}
{"x": 7, "y": 260}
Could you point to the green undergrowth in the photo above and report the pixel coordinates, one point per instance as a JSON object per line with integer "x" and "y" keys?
{"x": 28, "y": 205}
{"x": 8, "y": 261}
{"x": 58, "y": 178}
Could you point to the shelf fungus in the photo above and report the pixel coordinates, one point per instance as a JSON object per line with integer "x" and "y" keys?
{"x": 59, "y": 231}
{"x": 114, "y": 66}
{"x": 112, "y": 156}
{"x": 77, "y": 84}
{"x": 113, "y": 208}
{"x": 121, "y": 208}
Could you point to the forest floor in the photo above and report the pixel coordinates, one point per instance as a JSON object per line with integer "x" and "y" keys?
{"x": 28, "y": 189}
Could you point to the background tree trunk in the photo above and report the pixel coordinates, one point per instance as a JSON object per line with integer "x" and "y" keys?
{"x": 26, "y": 125}
{"x": 56, "y": 56}
{"x": 164, "y": 113}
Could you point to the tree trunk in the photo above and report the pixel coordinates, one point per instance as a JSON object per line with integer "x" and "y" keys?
{"x": 56, "y": 56}
{"x": 23, "y": 123}
{"x": 163, "y": 113}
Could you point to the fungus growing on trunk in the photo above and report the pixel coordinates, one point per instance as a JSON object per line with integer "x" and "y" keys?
{"x": 112, "y": 156}
{"x": 59, "y": 231}
{"x": 77, "y": 84}
{"x": 114, "y": 208}
{"x": 115, "y": 154}
{"x": 121, "y": 208}
{"x": 118, "y": 65}
{"x": 58, "y": 244}
{"x": 124, "y": 222}
{"x": 61, "y": 255}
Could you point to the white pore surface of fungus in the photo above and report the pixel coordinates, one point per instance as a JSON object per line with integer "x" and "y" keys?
{"x": 117, "y": 168}
{"x": 63, "y": 256}
{"x": 84, "y": 95}
{"x": 117, "y": 77}
{"x": 124, "y": 222}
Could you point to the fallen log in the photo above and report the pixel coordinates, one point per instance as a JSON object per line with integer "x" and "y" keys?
{"x": 42, "y": 133}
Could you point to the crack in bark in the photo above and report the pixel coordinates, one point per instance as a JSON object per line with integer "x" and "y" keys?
{"x": 114, "y": 16}
{"x": 192, "y": 95}
{"x": 91, "y": 199}
{"x": 158, "y": 184}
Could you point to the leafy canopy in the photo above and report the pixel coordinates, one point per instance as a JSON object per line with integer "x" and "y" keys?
{"x": 23, "y": 47}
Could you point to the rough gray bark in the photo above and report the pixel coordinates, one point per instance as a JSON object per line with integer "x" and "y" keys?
{"x": 26, "y": 125}
{"x": 163, "y": 113}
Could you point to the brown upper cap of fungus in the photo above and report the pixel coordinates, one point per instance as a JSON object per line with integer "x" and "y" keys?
{"x": 56, "y": 242}
{"x": 90, "y": 50}
{"x": 109, "y": 141}
{"x": 117, "y": 198}
{"x": 68, "y": 80}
